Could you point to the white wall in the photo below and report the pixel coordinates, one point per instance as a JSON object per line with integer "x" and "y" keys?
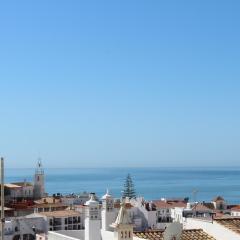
{"x": 235, "y": 213}
{"x": 58, "y": 236}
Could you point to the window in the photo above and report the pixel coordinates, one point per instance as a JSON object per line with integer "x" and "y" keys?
{"x": 50, "y": 222}
{"x": 121, "y": 234}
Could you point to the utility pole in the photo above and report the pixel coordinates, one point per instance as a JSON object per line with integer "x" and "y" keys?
{"x": 2, "y": 199}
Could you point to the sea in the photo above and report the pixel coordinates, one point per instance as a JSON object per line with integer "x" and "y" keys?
{"x": 198, "y": 184}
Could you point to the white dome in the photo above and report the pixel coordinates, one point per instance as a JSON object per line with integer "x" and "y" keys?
{"x": 91, "y": 201}
{"x": 107, "y": 195}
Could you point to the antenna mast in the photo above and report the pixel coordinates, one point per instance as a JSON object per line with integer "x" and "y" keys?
{"x": 194, "y": 193}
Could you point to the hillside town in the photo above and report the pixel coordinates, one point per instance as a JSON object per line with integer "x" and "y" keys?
{"x": 30, "y": 213}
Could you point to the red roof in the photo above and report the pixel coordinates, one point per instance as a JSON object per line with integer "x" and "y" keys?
{"x": 236, "y": 208}
{"x": 168, "y": 204}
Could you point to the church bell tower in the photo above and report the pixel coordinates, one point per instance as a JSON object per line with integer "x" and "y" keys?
{"x": 39, "y": 181}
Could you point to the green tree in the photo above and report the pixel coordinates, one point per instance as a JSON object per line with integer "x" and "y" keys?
{"x": 128, "y": 188}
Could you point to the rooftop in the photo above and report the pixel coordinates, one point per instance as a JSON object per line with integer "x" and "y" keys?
{"x": 236, "y": 208}
{"x": 22, "y": 184}
{"x": 11, "y": 185}
{"x": 230, "y": 223}
{"x": 169, "y": 204}
{"x": 201, "y": 207}
{"x": 193, "y": 234}
{"x": 47, "y": 205}
{"x": 48, "y": 200}
{"x": 64, "y": 213}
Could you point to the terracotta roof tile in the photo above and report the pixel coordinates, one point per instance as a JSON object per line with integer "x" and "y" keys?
{"x": 236, "y": 208}
{"x": 193, "y": 234}
{"x": 168, "y": 204}
{"x": 230, "y": 223}
{"x": 64, "y": 213}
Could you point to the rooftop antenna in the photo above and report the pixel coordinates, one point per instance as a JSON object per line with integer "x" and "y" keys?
{"x": 2, "y": 199}
{"x": 194, "y": 194}
{"x": 39, "y": 164}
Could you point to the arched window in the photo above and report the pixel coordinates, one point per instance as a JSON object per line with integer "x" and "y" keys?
{"x": 121, "y": 234}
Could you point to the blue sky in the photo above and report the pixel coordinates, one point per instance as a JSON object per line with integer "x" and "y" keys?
{"x": 120, "y": 83}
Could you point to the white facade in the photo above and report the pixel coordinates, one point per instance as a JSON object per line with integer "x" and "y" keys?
{"x": 24, "y": 227}
{"x": 145, "y": 217}
{"x": 73, "y": 199}
{"x": 108, "y": 212}
{"x": 235, "y": 212}
{"x": 62, "y": 220}
{"x": 92, "y": 220}
{"x": 19, "y": 190}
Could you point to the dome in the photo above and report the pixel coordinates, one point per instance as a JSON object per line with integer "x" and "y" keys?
{"x": 91, "y": 201}
{"x": 107, "y": 195}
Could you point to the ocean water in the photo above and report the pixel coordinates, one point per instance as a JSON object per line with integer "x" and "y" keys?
{"x": 152, "y": 183}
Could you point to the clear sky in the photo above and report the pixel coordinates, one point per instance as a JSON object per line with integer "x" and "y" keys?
{"x": 120, "y": 83}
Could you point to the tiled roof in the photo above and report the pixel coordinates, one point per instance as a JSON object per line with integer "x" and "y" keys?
{"x": 168, "y": 204}
{"x": 230, "y": 223}
{"x": 151, "y": 235}
{"x": 22, "y": 184}
{"x": 78, "y": 206}
{"x": 48, "y": 200}
{"x": 193, "y": 234}
{"x": 196, "y": 234}
{"x": 236, "y": 208}
{"x": 209, "y": 205}
{"x": 127, "y": 205}
{"x": 10, "y": 185}
{"x": 201, "y": 207}
{"x": 64, "y": 213}
{"x": 47, "y": 205}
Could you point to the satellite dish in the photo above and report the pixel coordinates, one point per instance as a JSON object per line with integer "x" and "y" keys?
{"x": 173, "y": 231}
